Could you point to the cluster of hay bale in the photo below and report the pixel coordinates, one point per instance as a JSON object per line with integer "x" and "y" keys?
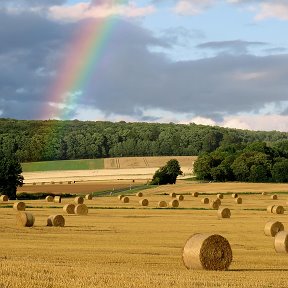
{"x": 4, "y": 198}
{"x": 144, "y": 202}
{"x": 208, "y": 252}
{"x": 174, "y": 203}
{"x": 238, "y": 200}
{"x": 69, "y": 208}
{"x": 224, "y": 213}
{"x": 214, "y": 204}
{"x": 275, "y": 209}
{"x": 19, "y": 206}
{"x": 276, "y": 229}
{"x": 88, "y": 197}
{"x": 25, "y": 219}
{"x": 81, "y": 209}
{"x": 56, "y": 220}
{"x": 272, "y": 228}
{"x": 57, "y": 199}
{"x": 205, "y": 200}
{"x": 162, "y": 204}
{"x": 79, "y": 200}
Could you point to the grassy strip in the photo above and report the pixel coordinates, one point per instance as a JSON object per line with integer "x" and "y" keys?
{"x": 123, "y": 191}
{"x": 83, "y": 164}
{"x": 40, "y": 196}
{"x": 254, "y": 209}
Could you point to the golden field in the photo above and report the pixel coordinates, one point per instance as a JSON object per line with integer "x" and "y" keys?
{"x": 141, "y": 246}
{"x": 115, "y": 169}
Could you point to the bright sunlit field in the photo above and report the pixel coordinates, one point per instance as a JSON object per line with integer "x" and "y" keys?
{"x": 126, "y": 245}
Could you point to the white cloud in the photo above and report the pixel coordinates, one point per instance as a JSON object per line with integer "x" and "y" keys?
{"x": 84, "y": 10}
{"x": 273, "y": 10}
{"x": 188, "y": 7}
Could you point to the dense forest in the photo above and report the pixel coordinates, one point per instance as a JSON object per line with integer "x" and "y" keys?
{"x": 250, "y": 162}
{"x": 59, "y": 140}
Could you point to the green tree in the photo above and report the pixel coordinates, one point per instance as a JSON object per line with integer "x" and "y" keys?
{"x": 167, "y": 174}
{"x": 10, "y": 175}
{"x": 279, "y": 171}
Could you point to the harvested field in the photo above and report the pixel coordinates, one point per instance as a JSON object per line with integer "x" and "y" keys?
{"x": 78, "y": 188}
{"x": 104, "y": 245}
{"x": 147, "y": 162}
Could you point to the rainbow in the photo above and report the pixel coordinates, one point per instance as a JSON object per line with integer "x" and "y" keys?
{"x": 81, "y": 60}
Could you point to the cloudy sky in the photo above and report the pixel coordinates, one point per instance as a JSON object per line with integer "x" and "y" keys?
{"x": 215, "y": 62}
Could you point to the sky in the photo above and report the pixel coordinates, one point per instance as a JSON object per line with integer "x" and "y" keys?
{"x": 212, "y": 62}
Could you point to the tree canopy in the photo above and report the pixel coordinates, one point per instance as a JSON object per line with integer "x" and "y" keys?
{"x": 167, "y": 174}
{"x": 66, "y": 140}
{"x": 252, "y": 162}
{"x": 10, "y": 174}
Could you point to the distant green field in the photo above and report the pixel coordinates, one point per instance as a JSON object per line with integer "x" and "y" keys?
{"x": 89, "y": 164}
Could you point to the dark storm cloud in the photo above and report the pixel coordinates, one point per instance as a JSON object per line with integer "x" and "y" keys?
{"x": 30, "y": 3}
{"x": 234, "y": 46}
{"x": 129, "y": 78}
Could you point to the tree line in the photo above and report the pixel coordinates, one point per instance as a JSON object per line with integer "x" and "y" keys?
{"x": 252, "y": 162}
{"x": 32, "y": 140}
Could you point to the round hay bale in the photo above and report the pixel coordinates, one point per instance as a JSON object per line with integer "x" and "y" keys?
{"x": 120, "y": 197}
{"x": 81, "y": 209}
{"x": 4, "y": 198}
{"x": 180, "y": 197}
{"x": 278, "y": 209}
{"x": 139, "y": 194}
{"x": 220, "y": 196}
{"x": 208, "y": 252}
{"x": 269, "y": 208}
{"x": 25, "y": 219}
{"x": 34, "y": 183}
{"x": 272, "y": 228}
{"x": 79, "y": 200}
{"x": 42, "y": 183}
{"x": 173, "y": 195}
{"x": 87, "y": 197}
{"x": 19, "y": 206}
{"x": 52, "y": 182}
{"x": 60, "y": 182}
{"x": 56, "y": 220}
{"x": 69, "y": 208}
{"x": 125, "y": 199}
{"x": 144, "y": 202}
{"x": 238, "y": 200}
{"x": 234, "y": 195}
{"x": 205, "y": 200}
{"x": 218, "y": 201}
{"x": 49, "y": 198}
{"x": 69, "y": 182}
{"x": 264, "y": 193}
{"x": 195, "y": 194}
{"x": 274, "y": 197}
{"x": 214, "y": 205}
{"x": 281, "y": 242}
{"x": 174, "y": 203}
{"x": 224, "y": 213}
{"x": 57, "y": 199}
{"x": 162, "y": 204}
